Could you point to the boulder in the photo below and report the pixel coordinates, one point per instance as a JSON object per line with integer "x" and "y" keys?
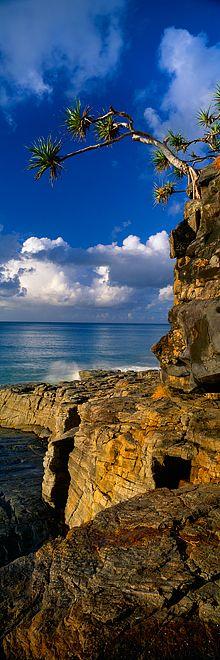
{"x": 139, "y": 581}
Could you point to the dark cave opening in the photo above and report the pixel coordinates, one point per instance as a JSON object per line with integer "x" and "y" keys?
{"x": 171, "y": 472}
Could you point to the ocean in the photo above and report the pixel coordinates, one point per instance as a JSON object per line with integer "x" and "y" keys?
{"x": 54, "y": 352}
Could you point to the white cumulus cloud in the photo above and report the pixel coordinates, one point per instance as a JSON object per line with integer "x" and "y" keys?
{"x": 50, "y": 274}
{"x": 193, "y": 69}
{"x": 166, "y": 293}
{"x": 34, "y": 245}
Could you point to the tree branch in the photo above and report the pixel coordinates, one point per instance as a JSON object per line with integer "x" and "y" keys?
{"x": 113, "y": 113}
{"x": 146, "y": 138}
{"x": 92, "y": 147}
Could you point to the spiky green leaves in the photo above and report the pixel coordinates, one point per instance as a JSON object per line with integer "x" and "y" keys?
{"x": 205, "y": 118}
{"x": 177, "y": 141}
{"x": 179, "y": 174}
{"x": 78, "y": 121}
{"x": 45, "y": 156}
{"x": 107, "y": 129}
{"x": 213, "y": 137}
{"x": 163, "y": 193}
{"x": 215, "y": 128}
{"x": 160, "y": 161}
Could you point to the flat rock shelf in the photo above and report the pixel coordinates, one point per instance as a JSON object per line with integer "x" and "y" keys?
{"x": 25, "y": 519}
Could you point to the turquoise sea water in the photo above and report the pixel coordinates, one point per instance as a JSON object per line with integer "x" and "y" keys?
{"x": 56, "y": 351}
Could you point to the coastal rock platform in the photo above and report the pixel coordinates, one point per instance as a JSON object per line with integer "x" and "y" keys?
{"x": 132, "y": 468}
{"x": 113, "y": 435}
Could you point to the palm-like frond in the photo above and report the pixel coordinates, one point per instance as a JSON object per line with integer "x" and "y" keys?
{"x": 177, "y": 141}
{"x": 205, "y": 117}
{"x": 160, "y": 161}
{"x": 163, "y": 193}
{"x": 216, "y": 97}
{"x": 213, "y": 137}
{"x": 45, "y": 156}
{"x": 78, "y": 121}
{"x": 178, "y": 173}
{"x": 107, "y": 129}
{"x": 215, "y": 129}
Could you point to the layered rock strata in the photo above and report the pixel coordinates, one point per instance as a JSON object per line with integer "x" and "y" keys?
{"x": 190, "y": 353}
{"x": 139, "y": 581}
{"x": 137, "y": 437}
{"x": 132, "y": 434}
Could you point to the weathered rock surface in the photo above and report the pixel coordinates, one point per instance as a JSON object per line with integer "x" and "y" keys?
{"x": 132, "y": 434}
{"x": 41, "y": 408}
{"x": 139, "y": 436}
{"x": 139, "y": 581}
{"x": 52, "y": 413}
{"x": 25, "y": 520}
{"x": 190, "y": 353}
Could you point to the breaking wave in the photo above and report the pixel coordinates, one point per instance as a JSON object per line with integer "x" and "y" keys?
{"x": 61, "y": 370}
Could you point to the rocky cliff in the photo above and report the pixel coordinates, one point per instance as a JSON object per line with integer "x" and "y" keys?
{"x": 190, "y": 353}
{"x": 132, "y": 466}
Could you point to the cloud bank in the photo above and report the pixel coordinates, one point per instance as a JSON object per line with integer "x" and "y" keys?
{"x": 52, "y": 277}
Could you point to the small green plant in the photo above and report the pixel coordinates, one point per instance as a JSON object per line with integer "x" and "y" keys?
{"x": 45, "y": 156}
{"x": 78, "y": 121}
{"x": 160, "y": 161}
{"x": 107, "y": 129}
{"x": 162, "y": 193}
{"x": 205, "y": 118}
{"x": 177, "y": 142}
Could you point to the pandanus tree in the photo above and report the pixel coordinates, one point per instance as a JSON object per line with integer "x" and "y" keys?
{"x": 173, "y": 154}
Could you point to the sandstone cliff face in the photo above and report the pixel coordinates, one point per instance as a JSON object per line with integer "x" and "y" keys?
{"x": 132, "y": 434}
{"x": 140, "y": 436}
{"x": 190, "y": 353}
{"x": 52, "y": 413}
{"x": 139, "y": 581}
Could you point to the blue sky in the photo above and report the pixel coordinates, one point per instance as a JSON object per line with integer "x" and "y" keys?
{"x": 160, "y": 62}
